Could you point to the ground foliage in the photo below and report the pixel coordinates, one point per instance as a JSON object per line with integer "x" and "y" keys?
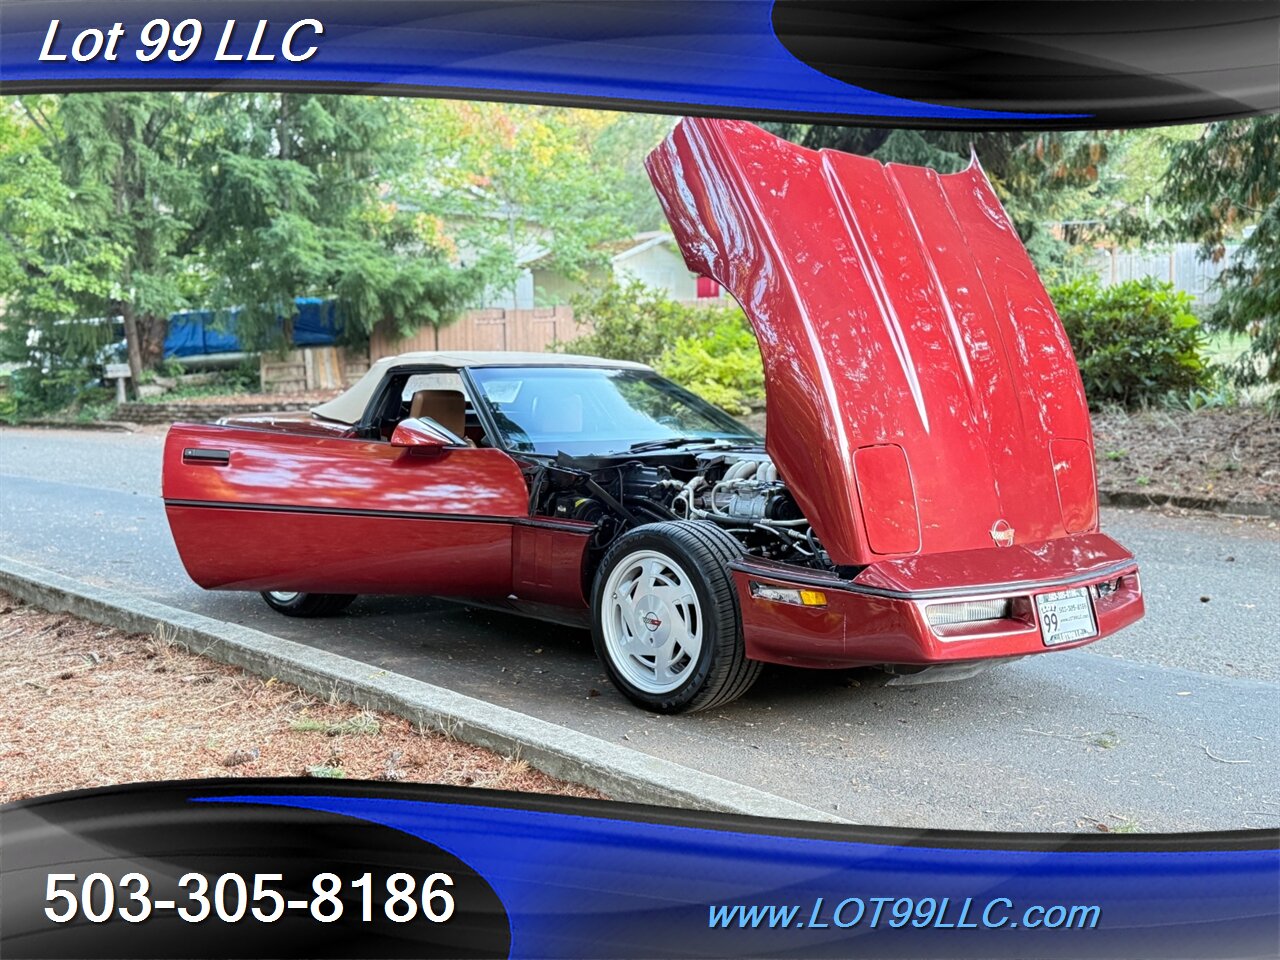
{"x": 88, "y": 706}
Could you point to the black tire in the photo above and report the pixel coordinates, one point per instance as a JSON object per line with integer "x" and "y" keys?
{"x": 308, "y": 604}
{"x": 721, "y": 672}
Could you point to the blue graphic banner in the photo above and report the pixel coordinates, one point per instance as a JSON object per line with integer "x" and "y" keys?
{"x": 906, "y": 63}
{"x": 689, "y": 54}
{"x": 280, "y": 868}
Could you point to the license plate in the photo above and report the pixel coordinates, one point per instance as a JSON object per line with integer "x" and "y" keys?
{"x": 1066, "y": 616}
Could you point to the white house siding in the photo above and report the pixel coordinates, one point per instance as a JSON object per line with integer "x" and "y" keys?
{"x": 654, "y": 261}
{"x": 521, "y": 296}
{"x": 552, "y": 288}
{"x": 660, "y": 267}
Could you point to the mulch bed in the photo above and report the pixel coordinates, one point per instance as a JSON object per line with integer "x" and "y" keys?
{"x": 1226, "y": 454}
{"x": 88, "y": 706}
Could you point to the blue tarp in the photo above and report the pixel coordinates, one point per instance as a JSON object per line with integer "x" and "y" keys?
{"x": 316, "y": 323}
{"x": 193, "y": 333}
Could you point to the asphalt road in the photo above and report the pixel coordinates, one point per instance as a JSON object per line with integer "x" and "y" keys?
{"x": 1169, "y": 726}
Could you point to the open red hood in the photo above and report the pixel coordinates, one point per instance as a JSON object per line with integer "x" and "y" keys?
{"x": 922, "y": 395}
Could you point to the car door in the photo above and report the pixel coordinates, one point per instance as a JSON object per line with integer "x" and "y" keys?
{"x": 258, "y": 510}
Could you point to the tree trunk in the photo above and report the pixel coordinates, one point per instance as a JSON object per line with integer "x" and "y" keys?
{"x": 153, "y": 331}
{"x": 134, "y": 344}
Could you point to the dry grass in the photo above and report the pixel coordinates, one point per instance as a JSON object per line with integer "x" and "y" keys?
{"x": 87, "y": 706}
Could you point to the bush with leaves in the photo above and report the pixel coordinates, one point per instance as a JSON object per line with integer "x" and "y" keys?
{"x": 34, "y": 392}
{"x": 722, "y": 365}
{"x": 630, "y": 322}
{"x": 710, "y": 349}
{"x": 1135, "y": 342}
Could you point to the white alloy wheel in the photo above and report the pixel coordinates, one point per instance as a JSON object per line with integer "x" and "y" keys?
{"x": 283, "y": 596}
{"x": 651, "y": 621}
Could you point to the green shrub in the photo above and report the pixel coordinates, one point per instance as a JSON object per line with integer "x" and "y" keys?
{"x": 34, "y": 392}
{"x": 635, "y": 322}
{"x": 1135, "y": 342}
{"x": 1221, "y": 393}
{"x": 710, "y": 349}
{"x": 722, "y": 366}
{"x": 8, "y": 402}
{"x": 246, "y": 377}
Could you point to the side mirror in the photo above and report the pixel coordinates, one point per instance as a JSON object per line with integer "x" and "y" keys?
{"x": 418, "y": 435}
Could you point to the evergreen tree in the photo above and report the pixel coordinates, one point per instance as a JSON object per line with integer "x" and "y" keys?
{"x": 1226, "y": 185}
{"x": 302, "y": 203}
{"x": 99, "y": 199}
{"x": 134, "y": 205}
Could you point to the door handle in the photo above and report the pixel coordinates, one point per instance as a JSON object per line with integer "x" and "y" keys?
{"x": 212, "y": 458}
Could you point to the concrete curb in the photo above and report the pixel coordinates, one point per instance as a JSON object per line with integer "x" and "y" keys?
{"x": 115, "y": 426}
{"x": 1228, "y": 508}
{"x": 619, "y": 772}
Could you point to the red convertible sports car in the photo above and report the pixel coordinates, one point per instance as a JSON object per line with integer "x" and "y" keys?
{"x": 925, "y": 497}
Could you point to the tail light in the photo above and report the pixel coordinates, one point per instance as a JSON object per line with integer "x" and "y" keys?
{"x": 1107, "y": 587}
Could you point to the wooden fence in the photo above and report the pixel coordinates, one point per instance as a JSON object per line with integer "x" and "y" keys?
{"x": 491, "y": 329}
{"x": 325, "y": 368}
{"x": 311, "y": 369}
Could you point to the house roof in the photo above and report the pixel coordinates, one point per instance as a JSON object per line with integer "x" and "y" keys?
{"x": 618, "y": 250}
{"x": 348, "y": 407}
{"x": 644, "y": 241}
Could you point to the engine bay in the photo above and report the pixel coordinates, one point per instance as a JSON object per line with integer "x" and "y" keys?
{"x": 739, "y": 490}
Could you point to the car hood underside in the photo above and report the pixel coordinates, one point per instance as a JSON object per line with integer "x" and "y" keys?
{"x": 922, "y": 394}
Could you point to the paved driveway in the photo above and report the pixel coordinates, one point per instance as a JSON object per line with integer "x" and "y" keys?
{"x": 1169, "y": 726}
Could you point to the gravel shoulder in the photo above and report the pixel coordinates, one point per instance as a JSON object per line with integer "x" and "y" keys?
{"x": 88, "y": 706}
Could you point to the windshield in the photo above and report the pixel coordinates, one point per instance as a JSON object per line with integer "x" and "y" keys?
{"x": 597, "y": 410}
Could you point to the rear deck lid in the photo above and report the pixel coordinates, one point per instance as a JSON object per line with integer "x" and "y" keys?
{"x": 922, "y": 394}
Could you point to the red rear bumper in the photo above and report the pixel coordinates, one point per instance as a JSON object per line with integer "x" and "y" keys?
{"x": 880, "y": 617}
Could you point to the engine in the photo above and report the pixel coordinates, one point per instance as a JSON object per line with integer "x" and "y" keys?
{"x": 739, "y": 491}
{"x": 746, "y": 496}
{"x": 749, "y": 491}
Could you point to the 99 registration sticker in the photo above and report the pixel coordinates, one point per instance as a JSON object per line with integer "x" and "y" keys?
{"x": 1066, "y": 616}
{"x": 231, "y": 898}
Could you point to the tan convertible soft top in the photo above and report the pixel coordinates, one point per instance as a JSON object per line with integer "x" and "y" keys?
{"x": 350, "y": 406}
